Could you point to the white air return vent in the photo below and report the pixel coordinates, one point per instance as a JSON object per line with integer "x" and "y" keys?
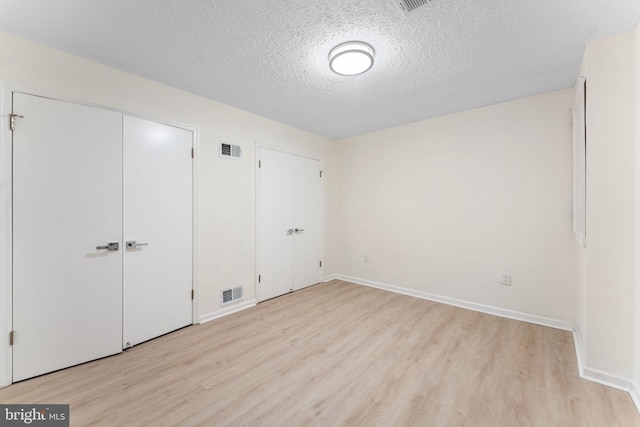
{"x": 230, "y": 295}
{"x": 230, "y": 151}
{"x": 409, "y": 6}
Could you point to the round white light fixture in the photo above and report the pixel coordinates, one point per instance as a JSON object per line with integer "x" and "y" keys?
{"x": 351, "y": 58}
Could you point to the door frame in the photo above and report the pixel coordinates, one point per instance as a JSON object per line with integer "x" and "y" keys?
{"x": 7, "y": 88}
{"x": 257, "y": 159}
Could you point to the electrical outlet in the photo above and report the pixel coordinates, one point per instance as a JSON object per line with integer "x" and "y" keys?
{"x": 505, "y": 279}
{"x": 366, "y": 258}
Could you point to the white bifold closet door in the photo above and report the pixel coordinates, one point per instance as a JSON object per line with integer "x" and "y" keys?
{"x": 102, "y": 233}
{"x": 157, "y": 229}
{"x": 290, "y": 222}
{"x": 67, "y": 201}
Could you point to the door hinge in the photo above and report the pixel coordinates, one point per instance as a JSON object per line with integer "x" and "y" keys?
{"x": 259, "y": 164}
{"x": 12, "y": 120}
{"x": 11, "y": 334}
{"x": 193, "y": 153}
{"x": 193, "y": 294}
{"x": 320, "y": 263}
{"x": 321, "y": 174}
{"x": 259, "y": 278}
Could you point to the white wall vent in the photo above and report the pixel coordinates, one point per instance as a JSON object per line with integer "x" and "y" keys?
{"x": 230, "y": 151}
{"x": 409, "y": 6}
{"x": 230, "y": 295}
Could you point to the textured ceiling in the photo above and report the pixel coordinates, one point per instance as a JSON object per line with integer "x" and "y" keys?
{"x": 270, "y": 56}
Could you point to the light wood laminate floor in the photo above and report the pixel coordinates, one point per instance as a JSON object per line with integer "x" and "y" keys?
{"x": 339, "y": 354}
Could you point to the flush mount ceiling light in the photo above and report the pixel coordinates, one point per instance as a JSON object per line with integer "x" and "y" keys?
{"x": 351, "y": 58}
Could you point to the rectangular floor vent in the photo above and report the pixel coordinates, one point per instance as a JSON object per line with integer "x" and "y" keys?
{"x": 409, "y": 6}
{"x": 230, "y": 295}
{"x": 230, "y": 151}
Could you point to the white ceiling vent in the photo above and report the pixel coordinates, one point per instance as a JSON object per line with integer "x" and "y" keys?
{"x": 230, "y": 151}
{"x": 409, "y": 6}
{"x": 230, "y": 295}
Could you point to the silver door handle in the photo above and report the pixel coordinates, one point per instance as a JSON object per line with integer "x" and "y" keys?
{"x": 111, "y": 246}
{"x": 132, "y": 244}
{"x": 299, "y": 230}
{"x": 290, "y": 232}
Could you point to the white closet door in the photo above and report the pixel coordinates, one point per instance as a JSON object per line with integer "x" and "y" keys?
{"x": 67, "y": 201}
{"x": 158, "y": 217}
{"x": 276, "y": 224}
{"x": 307, "y": 214}
{"x": 290, "y": 221}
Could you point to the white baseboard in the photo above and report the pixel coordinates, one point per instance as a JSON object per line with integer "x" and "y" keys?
{"x": 608, "y": 379}
{"x": 635, "y": 394}
{"x": 579, "y": 352}
{"x": 330, "y": 278}
{"x": 227, "y": 311}
{"x": 599, "y": 376}
{"x": 496, "y": 311}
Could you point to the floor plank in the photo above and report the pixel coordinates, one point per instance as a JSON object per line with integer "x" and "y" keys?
{"x": 339, "y": 354}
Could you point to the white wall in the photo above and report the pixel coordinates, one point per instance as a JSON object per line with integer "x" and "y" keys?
{"x": 607, "y": 319}
{"x": 443, "y": 206}
{"x": 580, "y": 312}
{"x": 226, "y": 188}
{"x": 637, "y": 197}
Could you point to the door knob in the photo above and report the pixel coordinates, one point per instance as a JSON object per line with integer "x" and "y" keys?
{"x": 111, "y": 246}
{"x": 290, "y": 232}
{"x": 299, "y": 230}
{"x": 132, "y": 244}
